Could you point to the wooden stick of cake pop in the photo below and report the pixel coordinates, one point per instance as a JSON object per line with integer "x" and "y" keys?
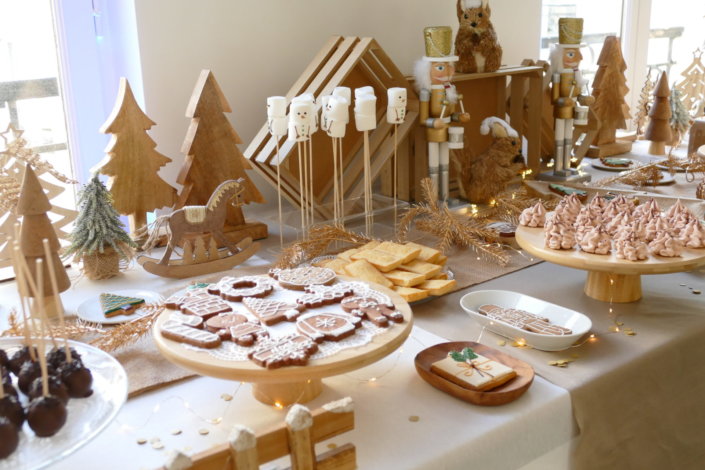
{"x": 279, "y": 193}
{"x": 394, "y": 175}
{"x": 18, "y": 260}
{"x": 57, "y": 299}
{"x": 38, "y": 295}
{"x": 42, "y": 316}
{"x": 311, "y": 201}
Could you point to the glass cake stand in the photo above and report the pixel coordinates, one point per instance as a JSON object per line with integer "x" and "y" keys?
{"x": 87, "y": 417}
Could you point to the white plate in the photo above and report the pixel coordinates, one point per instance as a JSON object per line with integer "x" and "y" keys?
{"x": 87, "y": 417}
{"x": 561, "y": 316}
{"x": 666, "y": 179}
{"x": 596, "y": 163}
{"x": 91, "y": 311}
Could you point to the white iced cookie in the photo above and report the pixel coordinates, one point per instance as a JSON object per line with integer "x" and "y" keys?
{"x": 471, "y": 370}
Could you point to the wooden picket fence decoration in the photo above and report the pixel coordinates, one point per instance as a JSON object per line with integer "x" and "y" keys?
{"x": 296, "y": 437}
{"x": 343, "y": 61}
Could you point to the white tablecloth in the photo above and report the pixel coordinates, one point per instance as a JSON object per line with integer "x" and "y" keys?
{"x": 450, "y": 434}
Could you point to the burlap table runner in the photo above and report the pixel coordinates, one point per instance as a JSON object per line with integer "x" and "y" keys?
{"x": 148, "y": 370}
{"x": 638, "y": 401}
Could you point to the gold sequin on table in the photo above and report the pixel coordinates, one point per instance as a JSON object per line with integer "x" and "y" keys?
{"x": 175, "y": 432}
{"x": 697, "y": 292}
{"x": 203, "y": 432}
{"x": 332, "y": 446}
{"x": 226, "y": 397}
{"x": 141, "y": 441}
{"x": 501, "y": 343}
{"x": 562, "y": 363}
{"x": 414, "y": 419}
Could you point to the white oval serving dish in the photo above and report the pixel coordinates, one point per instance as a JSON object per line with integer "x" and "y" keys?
{"x": 561, "y": 316}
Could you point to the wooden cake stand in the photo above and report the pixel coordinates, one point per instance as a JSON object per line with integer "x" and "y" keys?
{"x": 295, "y": 384}
{"x": 609, "y": 279}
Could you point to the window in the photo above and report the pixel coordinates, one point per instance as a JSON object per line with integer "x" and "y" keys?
{"x": 30, "y": 97}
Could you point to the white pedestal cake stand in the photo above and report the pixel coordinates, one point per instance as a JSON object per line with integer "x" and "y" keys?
{"x": 296, "y": 384}
{"x": 609, "y": 279}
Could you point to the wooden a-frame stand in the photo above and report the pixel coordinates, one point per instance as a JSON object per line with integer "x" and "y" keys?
{"x": 343, "y": 61}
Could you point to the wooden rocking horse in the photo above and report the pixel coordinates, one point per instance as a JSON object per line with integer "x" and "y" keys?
{"x": 192, "y": 224}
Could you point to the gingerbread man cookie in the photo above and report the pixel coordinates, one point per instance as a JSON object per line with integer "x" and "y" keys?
{"x": 234, "y": 289}
{"x": 291, "y": 350}
{"x": 327, "y": 326}
{"x": 371, "y": 308}
{"x": 245, "y": 334}
{"x": 299, "y": 278}
{"x": 271, "y": 312}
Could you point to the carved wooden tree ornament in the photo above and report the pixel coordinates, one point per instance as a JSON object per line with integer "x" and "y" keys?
{"x": 132, "y": 162}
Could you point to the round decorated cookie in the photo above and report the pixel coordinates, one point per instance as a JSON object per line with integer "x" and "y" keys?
{"x": 299, "y": 278}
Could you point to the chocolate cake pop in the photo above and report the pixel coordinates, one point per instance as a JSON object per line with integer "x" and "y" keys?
{"x": 9, "y": 438}
{"x": 29, "y": 371}
{"x": 3, "y": 358}
{"x": 57, "y": 357}
{"x": 9, "y": 389}
{"x": 19, "y": 358}
{"x": 46, "y": 415}
{"x": 78, "y": 379}
{"x": 12, "y": 410}
{"x": 56, "y": 388}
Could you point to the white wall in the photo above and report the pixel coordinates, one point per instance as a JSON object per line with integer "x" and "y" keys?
{"x": 258, "y": 48}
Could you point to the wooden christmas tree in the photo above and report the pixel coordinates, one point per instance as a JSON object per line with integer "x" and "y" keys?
{"x": 659, "y": 129}
{"x": 693, "y": 86}
{"x": 644, "y": 105}
{"x": 33, "y": 206}
{"x": 132, "y": 163}
{"x": 609, "y": 89}
{"x": 98, "y": 238}
{"x": 13, "y": 161}
{"x": 213, "y": 156}
{"x": 680, "y": 119}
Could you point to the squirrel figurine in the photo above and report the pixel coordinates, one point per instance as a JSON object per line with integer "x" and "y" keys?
{"x": 476, "y": 42}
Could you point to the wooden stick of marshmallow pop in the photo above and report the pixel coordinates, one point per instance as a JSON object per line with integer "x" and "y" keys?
{"x": 277, "y": 124}
{"x": 301, "y": 125}
{"x": 334, "y": 119}
{"x": 396, "y": 114}
{"x": 365, "y": 121}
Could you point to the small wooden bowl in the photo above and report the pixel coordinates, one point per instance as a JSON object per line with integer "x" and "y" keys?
{"x": 502, "y": 395}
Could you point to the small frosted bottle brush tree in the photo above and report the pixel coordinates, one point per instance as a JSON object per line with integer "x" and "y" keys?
{"x": 98, "y": 238}
{"x": 680, "y": 118}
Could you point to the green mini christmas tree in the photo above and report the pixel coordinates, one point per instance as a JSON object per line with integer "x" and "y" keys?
{"x": 98, "y": 238}
{"x": 680, "y": 118}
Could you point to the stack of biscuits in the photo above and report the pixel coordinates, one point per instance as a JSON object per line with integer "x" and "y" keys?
{"x": 413, "y": 271}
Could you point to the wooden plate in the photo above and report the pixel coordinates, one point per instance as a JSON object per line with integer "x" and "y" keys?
{"x": 502, "y": 395}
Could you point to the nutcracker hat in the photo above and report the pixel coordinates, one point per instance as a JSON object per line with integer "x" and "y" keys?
{"x": 439, "y": 44}
{"x": 570, "y": 33}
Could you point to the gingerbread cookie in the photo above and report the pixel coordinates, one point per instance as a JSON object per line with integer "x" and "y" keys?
{"x": 372, "y": 309}
{"x": 181, "y": 333}
{"x": 327, "y": 326}
{"x": 205, "y": 307}
{"x": 177, "y": 301}
{"x": 245, "y": 334}
{"x": 318, "y": 296}
{"x": 291, "y": 350}
{"x": 299, "y": 278}
{"x": 234, "y": 289}
{"x": 271, "y": 312}
{"x": 189, "y": 320}
{"x": 523, "y": 320}
{"x": 221, "y": 323}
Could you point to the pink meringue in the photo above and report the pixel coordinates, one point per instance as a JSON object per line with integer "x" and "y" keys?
{"x": 559, "y": 235}
{"x": 631, "y": 248}
{"x": 693, "y": 236}
{"x": 597, "y": 241}
{"x": 666, "y": 245}
{"x": 654, "y": 227}
{"x": 534, "y": 216}
{"x": 589, "y": 217}
{"x": 648, "y": 211}
{"x": 622, "y": 220}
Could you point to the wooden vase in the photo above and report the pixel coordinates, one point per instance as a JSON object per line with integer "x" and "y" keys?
{"x": 98, "y": 266}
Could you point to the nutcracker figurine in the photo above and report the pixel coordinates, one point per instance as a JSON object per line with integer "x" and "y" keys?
{"x": 569, "y": 102}
{"x": 439, "y": 100}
